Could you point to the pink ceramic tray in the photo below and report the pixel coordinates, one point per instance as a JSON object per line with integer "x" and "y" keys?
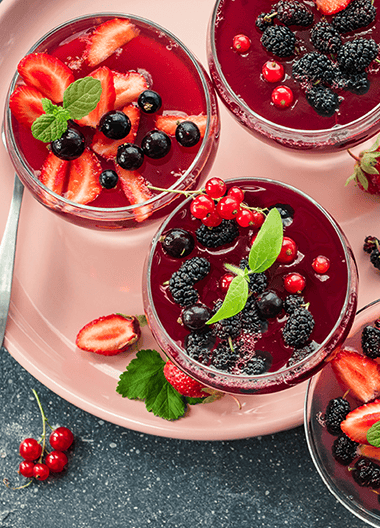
{"x": 65, "y": 276}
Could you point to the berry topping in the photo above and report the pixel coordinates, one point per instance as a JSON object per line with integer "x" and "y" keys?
{"x": 149, "y": 101}
{"x": 294, "y": 282}
{"x": 195, "y": 317}
{"x": 292, "y": 12}
{"x": 156, "y": 144}
{"x": 241, "y": 43}
{"x": 330, "y": 7}
{"x": 326, "y": 38}
{"x": 336, "y": 411}
{"x": 215, "y": 187}
{"x": 358, "y": 14}
{"x": 314, "y": 67}
{"x": 282, "y": 97}
{"x": 201, "y": 206}
{"x": 182, "y": 281}
{"x": 288, "y": 251}
{"x": 129, "y": 156}
{"x": 199, "y": 343}
{"x": 358, "y": 422}
{"x": 370, "y": 341}
{"x": 168, "y": 122}
{"x": 128, "y": 87}
{"x": 53, "y": 173}
{"x": 279, "y": 40}
{"x": 30, "y": 449}
{"x": 178, "y": 243}
{"x": 25, "y": 104}
{"x": 269, "y": 304}
{"x": 61, "y": 438}
{"x": 344, "y": 450}
{"x": 292, "y": 302}
{"x": 227, "y": 328}
{"x": 256, "y": 365}
{"x": 264, "y": 20}
{"x": 84, "y": 172}
{"x": 298, "y": 328}
{"x": 257, "y": 281}
{"x": 324, "y": 101}
{"x": 321, "y": 264}
{"x": 115, "y": 124}
{"x": 70, "y": 145}
{"x": 225, "y": 281}
{"x": 187, "y": 134}
{"x": 366, "y": 473}
{"x": 108, "y": 179}
{"x": 182, "y": 383}
{"x": 273, "y": 71}
{"x": 355, "y": 55}
{"x": 228, "y": 207}
{"x": 222, "y": 234}
{"x": 136, "y": 190}
{"x": 107, "y": 98}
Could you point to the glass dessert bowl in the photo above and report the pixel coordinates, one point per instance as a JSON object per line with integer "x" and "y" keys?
{"x": 152, "y": 87}
{"x": 311, "y": 282}
{"x": 348, "y": 467}
{"x": 283, "y": 74}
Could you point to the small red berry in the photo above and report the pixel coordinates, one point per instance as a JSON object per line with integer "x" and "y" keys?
{"x": 61, "y": 439}
{"x": 282, "y": 96}
{"x": 273, "y": 71}
{"x": 245, "y": 218}
{"x": 228, "y": 207}
{"x": 258, "y": 219}
{"x": 212, "y": 219}
{"x": 321, "y": 264}
{"x": 241, "y": 43}
{"x": 294, "y": 282}
{"x": 215, "y": 187}
{"x": 288, "y": 251}
{"x": 56, "y": 461}
{"x": 253, "y": 238}
{"x": 26, "y": 468}
{"x": 225, "y": 281}
{"x": 41, "y": 471}
{"x": 237, "y": 193}
{"x": 30, "y": 449}
{"x": 201, "y": 206}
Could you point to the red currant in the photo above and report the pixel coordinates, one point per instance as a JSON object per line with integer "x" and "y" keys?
{"x": 321, "y": 264}
{"x": 26, "y": 468}
{"x": 215, "y": 187}
{"x": 61, "y": 439}
{"x": 294, "y": 283}
{"x": 201, "y": 206}
{"x": 56, "y": 461}
{"x": 212, "y": 219}
{"x": 228, "y": 207}
{"x": 30, "y": 449}
{"x": 237, "y": 193}
{"x": 241, "y": 43}
{"x": 245, "y": 218}
{"x": 273, "y": 71}
{"x": 282, "y": 96}
{"x": 41, "y": 471}
{"x": 257, "y": 219}
{"x": 288, "y": 251}
{"x": 225, "y": 281}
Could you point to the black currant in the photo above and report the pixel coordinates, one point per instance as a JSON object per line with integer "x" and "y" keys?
{"x": 178, "y": 243}
{"x": 187, "y": 134}
{"x": 115, "y": 124}
{"x": 108, "y": 179}
{"x": 149, "y": 101}
{"x": 70, "y": 145}
{"x": 129, "y": 156}
{"x": 269, "y": 304}
{"x": 156, "y": 144}
{"x": 194, "y": 317}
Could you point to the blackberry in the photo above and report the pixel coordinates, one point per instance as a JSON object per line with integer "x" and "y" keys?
{"x": 344, "y": 450}
{"x": 257, "y": 281}
{"x": 286, "y": 212}
{"x": 324, "y": 101}
{"x": 357, "y": 83}
{"x": 225, "y": 328}
{"x": 301, "y": 353}
{"x": 366, "y": 473}
{"x": 254, "y": 366}
{"x": 269, "y": 304}
{"x": 298, "y": 328}
{"x": 292, "y": 12}
{"x": 199, "y": 343}
{"x": 279, "y": 40}
{"x": 213, "y": 237}
{"x": 292, "y": 302}
{"x": 358, "y": 14}
{"x": 355, "y": 55}
{"x": 196, "y": 268}
{"x": 371, "y": 341}
{"x": 264, "y": 20}
{"x": 370, "y": 243}
{"x": 336, "y": 411}
{"x": 375, "y": 258}
{"x": 182, "y": 281}
{"x": 314, "y": 67}
{"x": 177, "y": 243}
{"x": 325, "y": 38}
{"x": 183, "y": 293}
{"x": 224, "y": 358}
{"x": 249, "y": 316}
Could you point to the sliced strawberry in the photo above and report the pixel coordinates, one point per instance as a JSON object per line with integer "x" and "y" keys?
{"x": 109, "y": 335}
{"x": 183, "y": 383}
{"x": 107, "y": 98}
{"x": 83, "y": 185}
{"x": 358, "y": 421}
{"x": 107, "y": 148}
{"x": 168, "y": 122}
{"x": 107, "y": 38}
{"x": 369, "y": 451}
{"x": 53, "y": 173}
{"x": 358, "y": 373}
{"x": 128, "y": 87}
{"x": 46, "y": 73}
{"x": 330, "y": 7}
{"x": 25, "y": 104}
{"x": 136, "y": 190}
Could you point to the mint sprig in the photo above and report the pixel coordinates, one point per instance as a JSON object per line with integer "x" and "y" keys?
{"x": 79, "y": 99}
{"x": 262, "y": 255}
{"x": 373, "y": 434}
{"x": 144, "y": 380}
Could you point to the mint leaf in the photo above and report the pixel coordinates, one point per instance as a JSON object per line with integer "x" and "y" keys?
{"x": 373, "y": 434}
{"x": 82, "y": 97}
{"x": 48, "y": 106}
{"x": 234, "y": 301}
{"x": 48, "y": 128}
{"x": 267, "y": 244}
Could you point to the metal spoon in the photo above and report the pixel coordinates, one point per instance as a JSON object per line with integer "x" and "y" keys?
{"x": 7, "y": 254}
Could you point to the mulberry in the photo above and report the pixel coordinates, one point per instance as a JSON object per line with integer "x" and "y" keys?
{"x": 182, "y": 281}
{"x": 325, "y": 38}
{"x": 214, "y": 237}
{"x": 225, "y": 328}
{"x": 370, "y": 243}
{"x": 264, "y": 20}
{"x": 257, "y": 281}
{"x": 366, "y": 473}
{"x": 370, "y": 340}
{"x": 292, "y": 302}
{"x": 324, "y": 101}
{"x": 198, "y": 344}
{"x": 344, "y": 450}
{"x": 375, "y": 258}
{"x": 254, "y": 366}
{"x": 298, "y": 328}
{"x": 336, "y": 411}
{"x": 314, "y": 67}
{"x": 356, "y": 55}
{"x": 249, "y": 316}
{"x": 358, "y": 14}
{"x": 292, "y": 12}
{"x": 279, "y": 40}
{"x": 301, "y": 353}
{"x": 224, "y": 358}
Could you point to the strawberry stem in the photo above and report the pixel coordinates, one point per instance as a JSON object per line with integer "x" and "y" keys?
{"x": 353, "y": 155}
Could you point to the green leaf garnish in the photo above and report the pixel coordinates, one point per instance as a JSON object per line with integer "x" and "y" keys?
{"x": 373, "y": 434}
{"x": 267, "y": 244}
{"x": 79, "y": 99}
{"x": 234, "y": 301}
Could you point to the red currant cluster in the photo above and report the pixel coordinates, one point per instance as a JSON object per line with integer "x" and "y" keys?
{"x": 215, "y": 205}
{"x": 38, "y": 462}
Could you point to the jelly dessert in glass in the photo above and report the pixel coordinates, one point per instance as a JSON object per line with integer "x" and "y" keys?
{"x": 154, "y": 124}
{"x": 341, "y": 417}
{"x": 297, "y": 75}
{"x": 311, "y": 283}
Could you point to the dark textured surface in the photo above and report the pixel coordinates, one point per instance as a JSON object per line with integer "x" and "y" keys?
{"x": 121, "y": 478}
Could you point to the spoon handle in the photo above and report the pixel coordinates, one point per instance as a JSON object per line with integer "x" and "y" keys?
{"x": 7, "y": 254}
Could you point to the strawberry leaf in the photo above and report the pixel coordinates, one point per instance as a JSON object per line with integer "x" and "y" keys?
{"x": 373, "y": 434}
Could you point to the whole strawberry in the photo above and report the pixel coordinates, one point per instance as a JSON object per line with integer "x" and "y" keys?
{"x": 366, "y": 171}
{"x": 183, "y": 383}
